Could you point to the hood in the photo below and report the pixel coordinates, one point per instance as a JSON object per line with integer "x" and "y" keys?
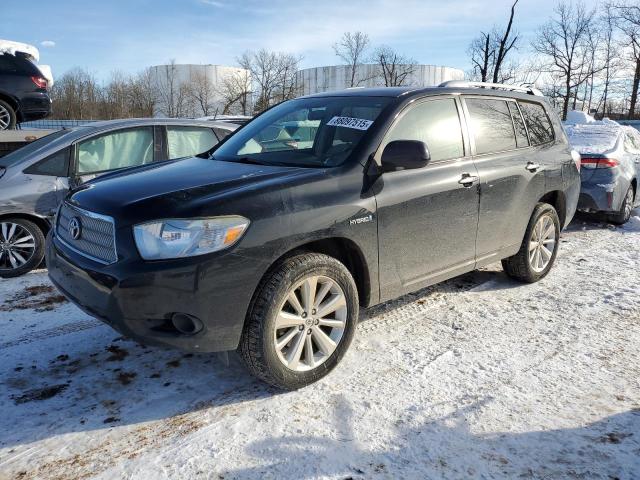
{"x": 182, "y": 187}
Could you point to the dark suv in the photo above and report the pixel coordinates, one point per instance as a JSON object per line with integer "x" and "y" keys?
{"x": 23, "y": 91}
{"x": 317, "y": 207}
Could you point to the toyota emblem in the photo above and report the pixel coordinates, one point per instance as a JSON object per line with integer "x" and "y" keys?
{"x": 75, "y": 228}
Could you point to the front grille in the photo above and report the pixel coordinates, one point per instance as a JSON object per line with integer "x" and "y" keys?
{"x": 97, "y": 234}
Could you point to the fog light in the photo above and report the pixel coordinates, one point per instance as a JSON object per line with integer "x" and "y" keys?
{"x": 186, "y": 324}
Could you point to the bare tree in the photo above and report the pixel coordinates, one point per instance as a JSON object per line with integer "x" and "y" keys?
{"x": 235, "y": 92}
{"x": 273, "y": 74}
{"x": 202, "y": 93}
{"x": 172, "y": 93}
{"x": 489, "y": 51}
{"x": 505, "y": 44}
{"x": 628, "y": 16}
{"x": 352, "y": 49}
{"x": 395, "y": 69}
{"x": 482, "y": 54}
{"x": 142, "y": 95}
{"x": 563, "y": 40}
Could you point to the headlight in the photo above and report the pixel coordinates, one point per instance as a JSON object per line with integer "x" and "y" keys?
{"x": 187, "y": 238}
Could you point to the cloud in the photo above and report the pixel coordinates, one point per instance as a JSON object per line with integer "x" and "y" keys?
{"x": 213, "y": 3}
{"x": 48, "y": 43}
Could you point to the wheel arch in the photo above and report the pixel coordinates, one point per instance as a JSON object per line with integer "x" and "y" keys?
{"x": 558, "y": 201}
{"x": 13, "y": 102}
{"x": 345, "y": 251}
{"x": 40, "y": 222}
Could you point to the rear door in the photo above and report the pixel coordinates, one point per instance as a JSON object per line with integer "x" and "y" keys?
{"x": 427, "y": 218}
{"x": 511, "y": 175}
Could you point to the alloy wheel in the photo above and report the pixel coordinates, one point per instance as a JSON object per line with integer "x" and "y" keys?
{"x": 310, "y": 323}
{"x": 542, "y": 243}
{"x": 5, "y": 118}
{"x": 17, "y": 245}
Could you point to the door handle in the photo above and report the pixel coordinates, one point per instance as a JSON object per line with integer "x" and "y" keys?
{"x": 467, "y": 180}
{"x": 532, "y": 167}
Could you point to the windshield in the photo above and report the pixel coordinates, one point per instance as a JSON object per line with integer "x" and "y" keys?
{"x": 30, "y": 148}
{"x": 308, "y": 132}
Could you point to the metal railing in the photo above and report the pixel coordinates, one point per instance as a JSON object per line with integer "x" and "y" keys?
{"x": 51, "y": 124}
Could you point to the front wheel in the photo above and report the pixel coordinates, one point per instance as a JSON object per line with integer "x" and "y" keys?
{"x": 302, "y": 321}
{"x": 539, "y": 246}
{"x": 21, "y": 247}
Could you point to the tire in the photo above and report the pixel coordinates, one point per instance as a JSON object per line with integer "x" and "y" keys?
{"x": 527, "y": 265}
{"x": 18, "y": 259}
{"x": 7, "y": 116}
{"x": 624, "y": 214}
{"x": 259, "y": 342}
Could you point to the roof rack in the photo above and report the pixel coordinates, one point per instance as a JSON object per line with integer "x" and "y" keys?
{"x": 530, "y": 89}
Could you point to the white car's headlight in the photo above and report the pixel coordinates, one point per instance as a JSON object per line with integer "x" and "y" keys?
{"x": 187, "y": 238}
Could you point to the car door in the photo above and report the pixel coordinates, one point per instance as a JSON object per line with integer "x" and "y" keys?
{"x": 511, "y": 175}
{"x": 51, "y": 175}
{"x": 427, "y": 217}
{"x": 188, "y": 141}
{"x": 114, "y": 150}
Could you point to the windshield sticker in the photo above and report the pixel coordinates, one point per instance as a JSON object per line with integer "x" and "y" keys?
{"x": 348, "y": 122}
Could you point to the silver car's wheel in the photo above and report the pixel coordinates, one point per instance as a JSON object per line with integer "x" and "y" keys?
{"x": 17, "y": 245}
{"x": 542, "y": 243}
{"x": 310, "y": 323}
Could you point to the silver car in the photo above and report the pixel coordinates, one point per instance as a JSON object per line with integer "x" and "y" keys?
{"x": 35, "y": 178}
{"x": 610, "y": 166}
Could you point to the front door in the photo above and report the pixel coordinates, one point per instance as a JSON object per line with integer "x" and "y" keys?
{"x": 428, "y": 217}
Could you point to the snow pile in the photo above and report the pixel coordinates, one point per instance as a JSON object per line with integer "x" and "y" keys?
{"x": 576, "y": 117}
{"x": 11, "y": 47}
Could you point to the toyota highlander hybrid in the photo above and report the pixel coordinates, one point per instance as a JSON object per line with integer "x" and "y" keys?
{"x": 318, "y": 207}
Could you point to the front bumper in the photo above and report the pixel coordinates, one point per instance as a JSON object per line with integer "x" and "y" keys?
{"x": 138, "y": 298}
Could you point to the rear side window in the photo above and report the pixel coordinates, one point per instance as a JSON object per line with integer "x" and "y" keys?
{"x": 538, "y": 123}
{"x": 189, "y": 141}
{"x": 632, "y": 142}
{"x": 436, "y": 123}
{"x": 56, "y": 165}
{"x": 16, "y": 64}
{"x": 522, "y": 140}
{"x": 491, "y": 125}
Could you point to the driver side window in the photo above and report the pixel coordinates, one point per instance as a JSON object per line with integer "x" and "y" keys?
{"x": 434, "y": 122}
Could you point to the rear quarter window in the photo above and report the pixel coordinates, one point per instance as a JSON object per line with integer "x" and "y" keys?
{"x": 56, "y": 165}
{"x": 538, "y": 122}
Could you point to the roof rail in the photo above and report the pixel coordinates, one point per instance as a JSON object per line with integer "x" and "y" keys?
{"x": 530, "y": 89}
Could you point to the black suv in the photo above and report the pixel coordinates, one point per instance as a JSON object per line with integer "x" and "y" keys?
{"x": 23, "y": 91}
{"x": 317, "y": 207}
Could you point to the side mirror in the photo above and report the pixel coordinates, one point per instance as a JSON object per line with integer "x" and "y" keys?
{"x": 404, "y": 155}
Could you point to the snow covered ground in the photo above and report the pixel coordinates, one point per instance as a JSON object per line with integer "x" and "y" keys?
{"x": 476, "y": 377}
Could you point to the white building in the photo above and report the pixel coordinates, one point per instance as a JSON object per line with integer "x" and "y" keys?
{"x": 194, "y": 90}
{"x": 338, "y": 77}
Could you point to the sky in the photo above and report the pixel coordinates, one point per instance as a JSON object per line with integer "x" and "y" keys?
{"x": 104, "y": 36}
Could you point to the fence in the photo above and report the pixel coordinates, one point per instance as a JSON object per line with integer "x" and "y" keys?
{"x": 50, "y": 124}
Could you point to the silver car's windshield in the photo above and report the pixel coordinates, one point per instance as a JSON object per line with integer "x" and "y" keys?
{"x": 308, "y": 132}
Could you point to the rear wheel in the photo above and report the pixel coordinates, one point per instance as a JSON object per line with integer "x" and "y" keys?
{"x": 624, "y": 214}
{"x": 302, "y": 321}
{"x": 7, "y": 116}
{"x": 21, "y": 247}
{"x": 539, "y": 247}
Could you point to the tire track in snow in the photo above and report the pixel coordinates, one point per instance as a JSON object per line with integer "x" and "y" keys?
{"x": 65, "y": 329}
